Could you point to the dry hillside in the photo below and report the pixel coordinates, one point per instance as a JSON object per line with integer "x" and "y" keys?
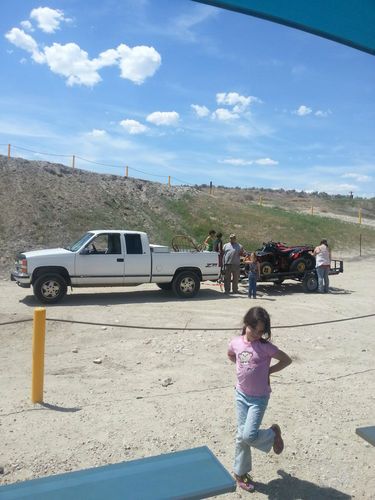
{"x": 45, "y": 204}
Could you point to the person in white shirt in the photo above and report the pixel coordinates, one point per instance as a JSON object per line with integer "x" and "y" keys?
{"x": 323, "y": 263}
{"x": 232, "y": 252}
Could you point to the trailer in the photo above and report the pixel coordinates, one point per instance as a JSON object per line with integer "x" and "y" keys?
{"x": 308, "y": 278}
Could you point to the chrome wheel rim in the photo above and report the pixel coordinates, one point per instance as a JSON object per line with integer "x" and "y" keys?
{"x": 187, "y": 285}
{"x": 50, "y": 289}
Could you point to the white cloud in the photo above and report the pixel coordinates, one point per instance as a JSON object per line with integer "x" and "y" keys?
{"x": 237, "y": 161}
{"x": 26, "y": 25}
{"x": 97, "y": 133}
{"x": 223, "y": 114}
{"x": 69, "y": 60}
{"x": 48, "y": 20}
{"x": 266, "y": 161}
{"x": 133, "y": 127}
{"x": 239, "y": 102}
{"x": 138, "y": 63}
{"x": 332, "y": 188}
{"x": 168, "y": 118}
{"x": 201, "y": 111}
{"x": 357, "y": 177}
{"x": 26, "y": 42}
{"x": 323, "y": 114}
{"x": 303, "y": 110}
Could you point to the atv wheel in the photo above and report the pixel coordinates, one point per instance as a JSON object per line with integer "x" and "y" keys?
{"x": 299, "y": 265}
{"x": 310, "y": 282}
{"x": 310, "y": 262}
{"x": 266, "y": 268}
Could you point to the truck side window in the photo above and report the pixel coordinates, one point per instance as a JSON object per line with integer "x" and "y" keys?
{"x": 133, "y": 244}
{"x": 114, "y": 244}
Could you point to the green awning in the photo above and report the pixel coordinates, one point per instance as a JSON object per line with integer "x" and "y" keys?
{"x": 351, "y": 22}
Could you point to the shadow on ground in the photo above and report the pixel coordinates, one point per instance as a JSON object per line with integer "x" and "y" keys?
{"x": 288, "y": 487}
{"x": 62, "y": 409}
{"x": 111, "y": 298}
{"x": 270, "y": 290}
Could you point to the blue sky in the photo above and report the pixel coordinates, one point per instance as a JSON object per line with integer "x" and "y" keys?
{"x": 182, "y": 89}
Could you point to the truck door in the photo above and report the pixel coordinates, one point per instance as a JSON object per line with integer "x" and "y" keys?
{"x": 101, "y": 261}
{"x": 137, "y": 259}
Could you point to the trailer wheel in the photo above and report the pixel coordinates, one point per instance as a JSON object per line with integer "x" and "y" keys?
{"x": 299, "y": 265}
{"x": 50, "y": 288}
{"x": 310, "y": 283}
{"x": 266, "y": 268}
{"x": 186, "y": 284}
{"x": 164, "y": 286}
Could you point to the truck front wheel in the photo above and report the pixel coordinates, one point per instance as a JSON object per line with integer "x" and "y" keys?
{"x": 50, "y": 288}
{"x": 186, "y": 284}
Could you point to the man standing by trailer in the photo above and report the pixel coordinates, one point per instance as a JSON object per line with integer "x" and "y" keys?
{"x": 232, "y": 252}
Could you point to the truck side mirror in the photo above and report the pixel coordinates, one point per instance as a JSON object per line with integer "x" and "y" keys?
{"x": 84, "y": 251}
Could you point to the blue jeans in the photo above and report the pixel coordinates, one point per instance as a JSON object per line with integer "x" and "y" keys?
{"x": 252, "y": 286}
{"x": 250, "y": 411}
{"x": 323, "y": 279}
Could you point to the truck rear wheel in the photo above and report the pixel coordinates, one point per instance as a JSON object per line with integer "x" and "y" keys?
{"x": 186, "y": 284}
{"x": 50, "y": 288}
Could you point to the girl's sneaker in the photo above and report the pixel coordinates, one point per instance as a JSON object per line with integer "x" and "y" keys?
{"x": 278, "y": 444}
{"x": 245, "y": 482}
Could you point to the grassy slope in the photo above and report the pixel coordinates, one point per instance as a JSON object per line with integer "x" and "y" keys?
{"x": 254, "y": 223}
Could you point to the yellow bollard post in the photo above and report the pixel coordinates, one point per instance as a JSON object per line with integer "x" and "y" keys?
{"x": 8, "y": 151}
{"x": 169, "y": 181}
{"x": 126, "y": 171}
{"x": 360, "y": 216}
{"x": 39, "y": 333}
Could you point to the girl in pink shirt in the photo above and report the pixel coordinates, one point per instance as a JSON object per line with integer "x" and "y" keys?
{"x": 252, "y": 352}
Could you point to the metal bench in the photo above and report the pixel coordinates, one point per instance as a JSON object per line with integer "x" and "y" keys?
{"x": 188, "y": 474}
{"x": 367, "y": 433}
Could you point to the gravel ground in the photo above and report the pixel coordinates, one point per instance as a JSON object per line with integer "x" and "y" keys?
{"x": 115, "y": 393}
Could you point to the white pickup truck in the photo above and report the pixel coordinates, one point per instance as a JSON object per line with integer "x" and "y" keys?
{"x": 113, "y": 258}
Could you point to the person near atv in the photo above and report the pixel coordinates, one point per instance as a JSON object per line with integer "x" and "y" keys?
{"x": 323, "y": 263}
{"x": 218, "y": 247}
{"x": 209, "y": 241}
{"x": 253, "y": 275}
{"x": 232, "y": 252}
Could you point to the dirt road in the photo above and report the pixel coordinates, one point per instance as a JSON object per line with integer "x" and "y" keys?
{"x": 115, "y": 393}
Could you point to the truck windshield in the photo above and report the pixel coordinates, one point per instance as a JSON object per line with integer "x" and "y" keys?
{"x": 79, "y": 243}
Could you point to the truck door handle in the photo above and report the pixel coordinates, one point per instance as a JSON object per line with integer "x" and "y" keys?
{"x": 120, "y": 260}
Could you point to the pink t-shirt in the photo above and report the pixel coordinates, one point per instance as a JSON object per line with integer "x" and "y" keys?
{"x": 252, "y": 363}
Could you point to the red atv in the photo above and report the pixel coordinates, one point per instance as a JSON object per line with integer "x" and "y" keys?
{"x": 279, "y": 257}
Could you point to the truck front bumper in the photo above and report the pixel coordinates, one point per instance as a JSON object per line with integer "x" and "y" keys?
{"x": 22, "y": 280}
